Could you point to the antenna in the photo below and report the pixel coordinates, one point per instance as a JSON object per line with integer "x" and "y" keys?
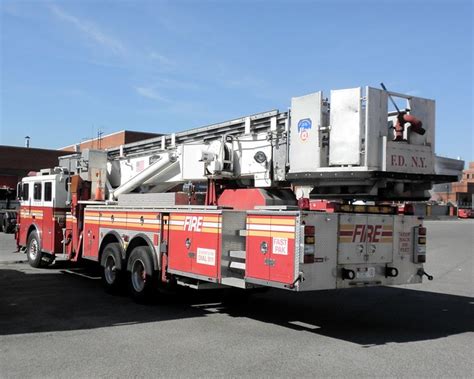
{"x": 100, "y": 133}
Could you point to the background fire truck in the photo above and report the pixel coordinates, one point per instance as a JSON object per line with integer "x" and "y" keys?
{"x": 8, "y": 209}
{"x": 297, "y": 200}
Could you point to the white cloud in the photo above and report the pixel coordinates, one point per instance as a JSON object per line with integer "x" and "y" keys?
{"x": 245, "y": 81}
{"x": 161, "y": 59}
{"x": 169, "y": 83}
{"x": 150, "y": 93}
{"x": 90, "y": 30}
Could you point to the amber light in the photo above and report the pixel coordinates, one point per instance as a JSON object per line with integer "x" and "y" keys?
{"x": 309, "y": 240}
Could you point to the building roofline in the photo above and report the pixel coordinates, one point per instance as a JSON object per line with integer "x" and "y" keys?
{"x": 90, "y": 140}
{"x": 93, "y": 139}
{"x": 31, "y": 148}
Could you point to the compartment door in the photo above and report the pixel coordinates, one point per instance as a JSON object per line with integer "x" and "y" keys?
{"x": 352, "y": 239}
{"x": 380, "y": 239}
{"x": 258, "y": 247}
{"x": 179, "y": 244}
{"x": 365, "y": 239}
{"x": 91, "y": 235}
{"x": 206, "y": 238}
{"x": 282, "y": 253}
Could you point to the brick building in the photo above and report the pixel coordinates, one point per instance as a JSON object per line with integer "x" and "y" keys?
{"x": 459, "y": 193}
{"x": 110, "y": 140}
{"x": 16, "y": 162}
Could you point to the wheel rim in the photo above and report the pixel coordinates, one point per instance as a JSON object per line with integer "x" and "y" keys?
{"x": 33, "y": 249}
{"x": 138, "y": 276}
{"x": 110, "y": 270}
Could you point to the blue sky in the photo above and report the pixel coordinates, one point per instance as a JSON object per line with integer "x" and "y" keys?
{"x": 70, "y": 68}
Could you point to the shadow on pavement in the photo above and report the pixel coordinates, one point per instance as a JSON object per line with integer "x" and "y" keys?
{"x": 59, "y": 299}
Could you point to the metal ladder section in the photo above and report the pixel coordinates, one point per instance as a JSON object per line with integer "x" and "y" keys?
{"x": 256, "y": 123}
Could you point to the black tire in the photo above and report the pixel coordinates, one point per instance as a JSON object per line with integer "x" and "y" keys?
{"x": 10, "y": 222}
{"x": 8, "y": 227}
{"x": 112, "y": 272}
{"x": 33, "y": 250}
{"x": 142, "y": 277}
{"x": 3, "y": 223}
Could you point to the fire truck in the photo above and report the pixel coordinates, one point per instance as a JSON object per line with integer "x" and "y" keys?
{"x": 299, "y": 200}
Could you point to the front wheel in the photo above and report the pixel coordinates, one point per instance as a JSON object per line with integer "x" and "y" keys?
{"x": 33, "y": 250}
{"x": 142, "y": 276}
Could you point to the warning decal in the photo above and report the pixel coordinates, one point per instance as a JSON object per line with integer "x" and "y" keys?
{"x": 206, "y": 256}
{"x": 280, "y": 246}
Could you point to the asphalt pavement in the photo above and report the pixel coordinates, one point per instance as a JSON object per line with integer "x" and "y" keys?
{"x": 58, "y": 322}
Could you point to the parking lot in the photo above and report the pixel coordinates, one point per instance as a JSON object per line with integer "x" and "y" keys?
{"x": 58, "y": 322}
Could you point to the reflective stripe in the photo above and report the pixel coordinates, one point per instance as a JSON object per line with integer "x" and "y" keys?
{"x": 276, "y": 228}
{"x": 261, "y": 233}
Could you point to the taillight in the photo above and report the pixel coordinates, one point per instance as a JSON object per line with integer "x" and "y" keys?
{"x": 419, "y": 248}
{"x": 309, "y": 230}
{"x": 409, "y": 209}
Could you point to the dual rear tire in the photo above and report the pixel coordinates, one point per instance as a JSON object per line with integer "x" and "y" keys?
{"x": 142, "y": 281}
{"x": 141, "y": 275}
{"x": 112, "y": 273}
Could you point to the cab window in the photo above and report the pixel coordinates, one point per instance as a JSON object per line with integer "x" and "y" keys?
{"x": 37, "y": 191}
{"x": 25, "y": 191}
{"x": 48, "y": 191}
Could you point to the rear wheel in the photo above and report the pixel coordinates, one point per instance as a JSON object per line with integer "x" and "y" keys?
{"x": 142, "y": 276}
{"x": 112, "y": 274}
{"x": 33, "y": 250}
{"x": 4, "y": 224}
{"x": 10, "y": 222}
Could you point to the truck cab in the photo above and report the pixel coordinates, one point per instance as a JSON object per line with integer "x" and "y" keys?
{"x": 42, "y": 214}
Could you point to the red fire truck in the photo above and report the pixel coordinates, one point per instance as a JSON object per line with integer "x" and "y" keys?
{"x": 295, "y": 200}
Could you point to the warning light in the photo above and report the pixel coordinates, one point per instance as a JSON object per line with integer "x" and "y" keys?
{"x": 309, "y": 240}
